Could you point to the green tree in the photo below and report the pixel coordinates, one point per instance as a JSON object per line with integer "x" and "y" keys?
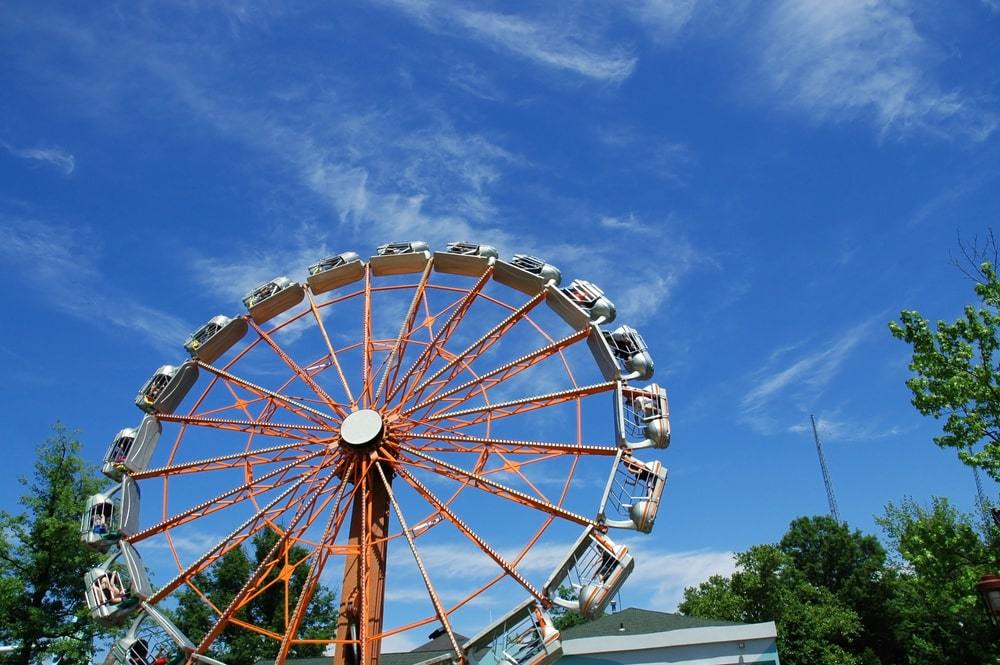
{"x": 852, "y": 566}
{"x": 957, "y": 376}
{"x": 563, "y": 618}
{"x": 940, "y": 554}
{"x": 221, "y": 583}
{"x": 814, "y": 627}
{"x": 42, "y": 562}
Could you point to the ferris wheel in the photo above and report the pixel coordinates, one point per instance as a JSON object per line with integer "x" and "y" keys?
{"x": 419, "y": 412}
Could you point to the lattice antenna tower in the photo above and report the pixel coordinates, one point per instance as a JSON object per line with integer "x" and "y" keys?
{"x": 834, "y": 513}
{"x": 981, "y": 503}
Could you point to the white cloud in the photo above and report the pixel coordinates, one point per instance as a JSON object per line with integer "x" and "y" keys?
{"x": 857, "y": 58}
{"x": 665, "y": 18}
{"x": 400, "y": 643}
{"x": 53, "y": 156}
{"x": 800, "y": 380}
{"x": 555, "y": 42}
{"x": 386, "y": 172}
{"x": 659, "y": 578}
{"x": 833, "y": 427}
{"x": 629, "y": 223}
{"x": 668, "y": 259}
{"x": 64, "y": 265}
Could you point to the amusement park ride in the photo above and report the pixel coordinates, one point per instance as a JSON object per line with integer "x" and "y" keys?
{"x": 418, "y": 443}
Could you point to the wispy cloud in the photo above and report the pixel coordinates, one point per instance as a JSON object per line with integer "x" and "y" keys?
{"x": 387, "y": 171}
{"x": 670, "y": 259}
{"x": 648, "y": 153}
{"x": 799, "y": 379}
{"x": 63, "y": 265}
{"x": 833, "y": 426}
{"x": 555, "y": 41}
{"x": 664, "y": 18}
{"x": 51, "y": 156}
{"x": 860, "y": 59}
{"x": 659, "y": 578}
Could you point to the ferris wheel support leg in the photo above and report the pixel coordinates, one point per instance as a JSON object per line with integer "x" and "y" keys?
{"x": 363, "y": 592}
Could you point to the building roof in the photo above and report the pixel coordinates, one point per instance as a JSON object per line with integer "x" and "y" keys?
{"x": 635, "y": 621}
{"x": 440, "y": 643}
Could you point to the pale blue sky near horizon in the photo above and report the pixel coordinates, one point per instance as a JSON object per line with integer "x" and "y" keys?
{"x": 759, "y": 188}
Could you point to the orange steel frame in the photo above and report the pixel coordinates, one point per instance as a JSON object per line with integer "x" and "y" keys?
{"x": 314, "y": 476}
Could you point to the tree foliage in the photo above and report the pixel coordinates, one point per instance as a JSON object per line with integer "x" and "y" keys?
{"x": 221, "y": 583}
{"x": 813, "y": 627}
{"x": 42, "y": 562}
{"x": 957, "y": 376}
{"x": 852, "y": 566}
{"x": 939, "y": 617}
{"x": 563, "y": 618}
{"x": 838, "y": 598}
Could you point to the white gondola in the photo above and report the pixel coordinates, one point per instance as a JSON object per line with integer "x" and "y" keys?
{"x": 581, "y": 303}
{"x": 215, "y": 338}
{"x": 272, "y": 298}
{"x": 527, "y": 274}
{"x": 400, "y": 258}
{"x": 523, "y": 636}
{"x": 153, "y": 639}
{"x": 465, "y": 258}
{"x": 110, "y": 515}
{"x": 643, "y": 416}
{"x": 116, "y": 588}
{"x": 630, "y": 348}
{"x": 335, "y": 271}
{"x": 163, "y": 392}
{"x": 595, "y": 570}
{"x": 591, "y": 299}
{"x": 632, "y": 494}
{"x": 132, "y": 448}
{"x": 473, "y": 249}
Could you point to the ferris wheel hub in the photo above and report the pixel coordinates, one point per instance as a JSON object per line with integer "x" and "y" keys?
{"x": 362, "y": 429}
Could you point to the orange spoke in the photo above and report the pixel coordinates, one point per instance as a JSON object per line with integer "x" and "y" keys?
{"x": 405, "y": 330}
{"x": 363, "y": 566}
{"x": 326, "y": 542}
{"x": 292, "y": 405}
{"x": 299, "y": 372}
{"x": 266, "y": 428}
{"x": 200, "y": 509}
{"x": 500, "y": 374}
{"x": 469, "y": 533}
{"x": 521, "y": 405}
{"x": 329, "y": 348}
{"x": 438, "y": 341}
{"x": 251, "y": 457}
{"x": 478, "y": 480}
{"x": 519, "y": 446}
{"x": 474, "y": 350}
{"x": 248, "y": 528}
{"x": 438, "y": 609}
{"x": 366, "y": 349}
{"x": 262, "y": 568}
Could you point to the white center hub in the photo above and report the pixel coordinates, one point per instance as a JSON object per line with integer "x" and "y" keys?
{"x": 361, "y": 429}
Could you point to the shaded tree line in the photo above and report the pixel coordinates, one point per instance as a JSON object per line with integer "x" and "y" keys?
{"x": 839, "y": 597}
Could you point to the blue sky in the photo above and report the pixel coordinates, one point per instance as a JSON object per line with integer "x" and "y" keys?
{"x": 758, "y": 188}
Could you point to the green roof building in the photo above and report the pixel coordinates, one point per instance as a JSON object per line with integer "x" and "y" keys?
{"x": 635, "y": 637}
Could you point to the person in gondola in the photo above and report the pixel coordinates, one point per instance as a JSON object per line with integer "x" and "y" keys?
{"x": 100, "y": 523}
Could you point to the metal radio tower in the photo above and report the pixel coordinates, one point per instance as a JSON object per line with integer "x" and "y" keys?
{"x": 834, "y": 513}
{"x": 981, "y": 503}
